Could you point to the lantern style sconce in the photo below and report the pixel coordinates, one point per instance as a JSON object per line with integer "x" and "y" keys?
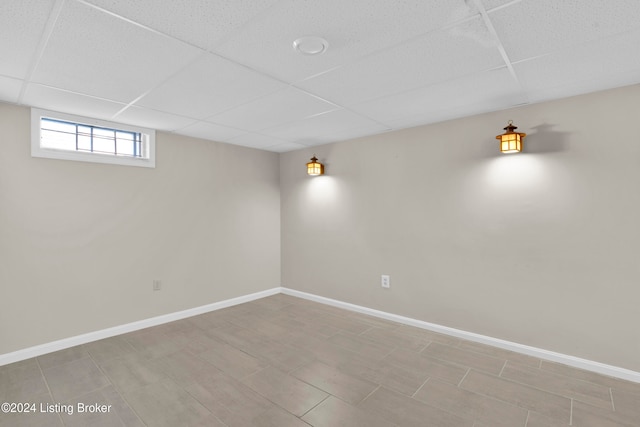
{"x": 314, "y": 167}
{"x": 510, "y": 141}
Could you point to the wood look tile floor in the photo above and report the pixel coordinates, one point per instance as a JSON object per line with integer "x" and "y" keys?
{"x": 282, "y": 361}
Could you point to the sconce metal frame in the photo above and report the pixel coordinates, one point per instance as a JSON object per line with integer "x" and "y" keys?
{"x": 510, "y": 141}
{"x": 314, "y": 167}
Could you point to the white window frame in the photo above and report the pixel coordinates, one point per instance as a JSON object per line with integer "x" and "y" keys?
{"x": 37, "y": 150}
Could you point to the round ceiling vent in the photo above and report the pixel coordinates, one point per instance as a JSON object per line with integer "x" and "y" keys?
{"x": 310, "y": 45}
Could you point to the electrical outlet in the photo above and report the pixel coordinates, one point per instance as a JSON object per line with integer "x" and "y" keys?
{"x": 385, "y": 280}
{"x": 157, "y": 285}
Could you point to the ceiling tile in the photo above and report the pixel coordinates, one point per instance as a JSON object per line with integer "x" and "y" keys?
{"x": 492, "y": 4}
{"x": 278, "y": 108}
{"x": 255, "y": 140}
{"x": 21, "y": 26}
{"x": 226, "y": 70}
{"x": 322, "y": 125}
{"x": 287, "y": 146}
{"x": 531, "y": 28}
{"x": 209, "y": 131}
{"x": 9, "y": 89}
{"x": 353, "y": 28}
{"x": 582, "y": 68}
{"x": 481, "y": 92}
{"x": 358, "y": 132}
{"x": 208, "y": 86}
{"x": 202, "y": 23}
{"x": 69, "y": 102}
{"x": 98, "y": 54}
{"x": 438, "y": 56}
{"x": 153, "y": 119}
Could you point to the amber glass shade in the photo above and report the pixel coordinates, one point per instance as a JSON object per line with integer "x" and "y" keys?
{"x": 510, "y": 141}
{"x": 314, "y": 167}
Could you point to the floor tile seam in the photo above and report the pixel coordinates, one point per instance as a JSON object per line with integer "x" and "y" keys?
{"x": 611, "y": 380}
{"x": 70, "y": 398}
{"x": 577, "y": 396}
{"x": 243, "y": 378}
{"x": 46, "y": 383}
{"x": 365, "y": 331}
{"x": 420, "y": 388}
{"x": 369, "y": 340}
{"x": 315, "y": 406}
{"x": 502, "y": 370}
{"x": 275, "y": 403}
{"x": 463, "y": 378}
{"x": 425, "y": 346}
{"x": 571, "y": 414}
{"x": 483, "y": 396}
{"x": 473, "y": 354}
{"x": 433, "y": 406}
{"x": 203, "y": 405}
{"x": 447, "y": 362}
{"x": 429, "y": 359}
{"x": 67, "y": 362}
{"x": 526, "y": 421}
{"x": 472, "y": 419}
{"x": 528, "y": 407}
{"x": 355, "y": 377}
{"x": 561, "y": 376}
{"x": 121, "y": 396}
{"x": 358, "y": 352}
{"x": 369, "y": 395}
{"x": 613, "y": 405}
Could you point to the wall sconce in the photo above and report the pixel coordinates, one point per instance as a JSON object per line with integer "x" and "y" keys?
{"x": 510, "y": 141}
{"x": 314, "y": 167}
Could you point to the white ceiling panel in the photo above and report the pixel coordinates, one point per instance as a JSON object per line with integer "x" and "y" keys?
{"x": 325, "y": 124}
{"x": 208, "y": 86}
{"x": 493, "y": 88}
{"x": 206, "y": 130}
{"x": 153, "y": 119}
{"x": 21, "y": 27}
{"x": 272, "y": 110}
{"x": 438, "y": 56}
{"x": 287, "y": 146}
{"x": 202, "y": 23}
{"x": 69, "y": 102}
{"x": 256, "y": 140}
{"x": 227, "y": 71}
{"x": 343, "y": 135}
{"x": 536, "y": 27}
{"x": 583, "y": 68}
{"x": 492, "y": 4}
{"x": 98, "y": 54}
{"x": 9, "y": 89}
{"x": 353, "y": 28}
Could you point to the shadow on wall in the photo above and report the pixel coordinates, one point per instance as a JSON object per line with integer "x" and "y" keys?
{"x": 546, "y": 140}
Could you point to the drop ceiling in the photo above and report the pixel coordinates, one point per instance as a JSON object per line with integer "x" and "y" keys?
{"x": 227, "y": 71}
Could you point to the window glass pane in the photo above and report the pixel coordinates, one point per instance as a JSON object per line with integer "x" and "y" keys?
{"x": 103, "y": 145}
{"x": 125, "y": 147}
{"x": 58, "y": 140}
{"x": 84, "y": 142}
{"x": 69, "y": 136}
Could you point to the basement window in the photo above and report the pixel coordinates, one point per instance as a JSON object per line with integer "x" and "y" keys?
{"x": 67, "y": 137}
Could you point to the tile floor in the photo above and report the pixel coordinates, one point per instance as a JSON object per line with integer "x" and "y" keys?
{"x": 283, "y": 361}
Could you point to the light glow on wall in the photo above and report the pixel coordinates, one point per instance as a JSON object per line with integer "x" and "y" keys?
{"x": 522, "y": 192}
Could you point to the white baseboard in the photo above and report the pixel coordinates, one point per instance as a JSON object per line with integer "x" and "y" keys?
{"x": 62, "y": 344}
{"x": 576, "y": 362}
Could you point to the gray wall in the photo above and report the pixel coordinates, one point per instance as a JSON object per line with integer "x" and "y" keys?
{"x": 81, "y": 243}
{"x": 539, "y": 248}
